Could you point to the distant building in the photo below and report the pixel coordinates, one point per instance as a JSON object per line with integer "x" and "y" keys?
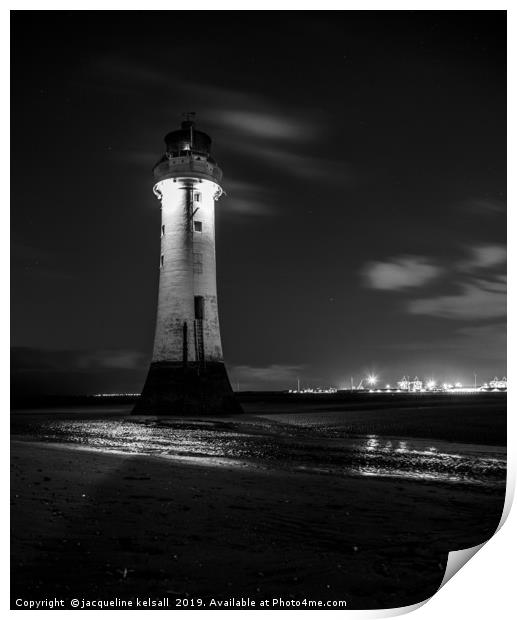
{"x": 403, "y": 384}
{"x": 498, "y": 384}
{"x": 408, "y": 385}
{"x": 416, "y": 385}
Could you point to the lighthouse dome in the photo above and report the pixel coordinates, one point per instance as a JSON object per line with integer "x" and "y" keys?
{"x": 188, "y": 139}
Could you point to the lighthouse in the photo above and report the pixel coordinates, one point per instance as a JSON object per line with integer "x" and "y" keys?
{"x": 187, "y": 374}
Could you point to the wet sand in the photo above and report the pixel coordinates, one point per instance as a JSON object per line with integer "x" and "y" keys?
{"x": 101, "y": 521}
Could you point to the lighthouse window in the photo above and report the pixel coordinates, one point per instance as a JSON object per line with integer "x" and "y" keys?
{"x": 197, "y": 196}
{"x": 198, "y": 226}
{"x": 163, "y": 230}
{"x": 161, "y": 260}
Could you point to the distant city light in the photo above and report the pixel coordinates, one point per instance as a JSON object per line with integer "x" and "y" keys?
{"x": 110, "y": 395}
{"x": 406, "y": 384}
{"x": 330, "y": 390}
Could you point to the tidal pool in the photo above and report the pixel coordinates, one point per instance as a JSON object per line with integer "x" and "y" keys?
{"x": 254, "y": 441}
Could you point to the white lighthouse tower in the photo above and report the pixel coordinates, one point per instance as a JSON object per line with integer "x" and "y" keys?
{"x": 187, "y": 372}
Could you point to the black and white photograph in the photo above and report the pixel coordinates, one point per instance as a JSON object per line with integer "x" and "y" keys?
{"x": 258, "y": 305}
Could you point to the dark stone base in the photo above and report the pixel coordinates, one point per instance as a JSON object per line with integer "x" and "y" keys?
{"x": 173, "y": 389}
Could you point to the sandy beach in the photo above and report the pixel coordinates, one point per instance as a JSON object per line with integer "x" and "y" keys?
{"x": 95, "y": 522}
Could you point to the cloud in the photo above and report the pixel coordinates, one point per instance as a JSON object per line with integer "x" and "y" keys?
{"x": 264, "y": 125}
{"x": 275, "y": 140}
{"x": 480, "y": 285}
{"x": 25, "y": 359}
{"x": 484, "y": 256}
{"x": 484, "y": 206}
{"x": 273, "y": 377}
{"x": 44, "y": 371}
{"x": 247, "y": 199}
{"x": 479, "y": 299}
{"x": 299, "y": 165}
{"x": 400, "y": 273}
{"x": 109, "y": 358}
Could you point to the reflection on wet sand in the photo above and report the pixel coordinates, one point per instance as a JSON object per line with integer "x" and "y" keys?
{"x": 266, "y": 445}
{"x": 449, "y": 462}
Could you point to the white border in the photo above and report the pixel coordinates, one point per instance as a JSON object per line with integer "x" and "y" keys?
{"x": 484, "y": 587}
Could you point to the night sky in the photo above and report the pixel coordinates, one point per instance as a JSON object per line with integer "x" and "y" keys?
{"x": 363, "y": 230}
